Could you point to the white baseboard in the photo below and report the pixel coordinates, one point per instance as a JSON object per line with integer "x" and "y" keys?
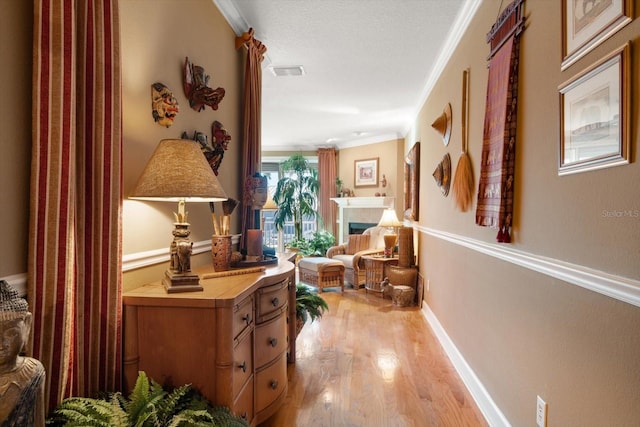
{"x": 487, "y": 406}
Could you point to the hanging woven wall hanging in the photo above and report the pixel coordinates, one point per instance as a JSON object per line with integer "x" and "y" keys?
{"x": 497, "y": 164}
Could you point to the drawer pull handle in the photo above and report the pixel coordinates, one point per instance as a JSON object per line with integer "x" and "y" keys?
{"x": 274, "y": 384}
{"x": 273, "y": 342}
{"x": 243, "y": 366}
{"x": 247, "y": 318}
{"x": 244, "y": 415}
{"x": 275, "y": 301}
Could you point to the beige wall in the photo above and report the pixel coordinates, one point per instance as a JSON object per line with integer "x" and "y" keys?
{"x": 526, "y": 333}
{"x": 156, "y": 38}
{"x": 390, "y": 163}
{"x": 16, "y": 21}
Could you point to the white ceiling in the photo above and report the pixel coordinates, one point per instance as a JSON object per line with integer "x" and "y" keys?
{"x": 369, "y": 65}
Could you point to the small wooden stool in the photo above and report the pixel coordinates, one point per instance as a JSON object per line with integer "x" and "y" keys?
{"x": 402, "y": 295}
{"x": 321, "y": 272}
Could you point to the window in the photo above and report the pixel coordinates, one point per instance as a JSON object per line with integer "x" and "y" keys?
{"x": 271, "y": 237}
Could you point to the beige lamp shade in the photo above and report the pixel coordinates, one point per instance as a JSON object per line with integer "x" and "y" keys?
{"x": 389, "y": 219}
{"x": 270, "y": 205}
{"x": 178, "y": 171}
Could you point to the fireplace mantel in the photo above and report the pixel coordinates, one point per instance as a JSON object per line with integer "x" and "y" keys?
{"x": 364, "y": 202}
{"x": 364, "y": 209}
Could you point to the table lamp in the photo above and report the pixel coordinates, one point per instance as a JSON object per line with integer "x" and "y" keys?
{"x": 178, "y": 171}
{"x": 390, "y": 220}
{"x": 269, "y": 206}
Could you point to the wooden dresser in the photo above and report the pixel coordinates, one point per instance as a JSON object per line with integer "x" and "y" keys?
{"x": 229, "y": 341}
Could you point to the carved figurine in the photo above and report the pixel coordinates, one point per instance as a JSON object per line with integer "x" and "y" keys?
{"x": 178, "y": 246}
{"x": 164, "y": 105}
{"x": 196, "y": 89}
{"x": 21, "y": 378}
{"x": 387, "y": 288}
{"x": 183, "y": 249}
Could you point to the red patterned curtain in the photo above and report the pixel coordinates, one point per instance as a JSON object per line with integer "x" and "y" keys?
{"x": 252, "y": 122}
{"x": 327, "y": 175}
{"x": 75, "y": 244}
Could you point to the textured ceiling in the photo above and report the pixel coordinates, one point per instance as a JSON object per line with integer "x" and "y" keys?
{"x": 368, "y": 64}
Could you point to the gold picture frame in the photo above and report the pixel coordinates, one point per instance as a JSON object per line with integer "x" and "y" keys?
{"x": 412, "y": 183}
{"x": 587, "y": 23}
{"x": 594, "y": 115}
{"x": 365, "y": 173}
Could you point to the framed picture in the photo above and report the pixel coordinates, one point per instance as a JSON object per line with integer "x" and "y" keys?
{"x": 412, "y": 183}
{"x": 594, "y": 121}
{"x": 587, "y": 23}
{"x": 366, "y": 173}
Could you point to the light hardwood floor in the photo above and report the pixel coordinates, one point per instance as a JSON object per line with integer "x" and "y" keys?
{"x": 369, "y": 363}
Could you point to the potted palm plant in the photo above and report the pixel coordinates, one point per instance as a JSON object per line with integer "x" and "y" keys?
{"x": 296, "y": 194}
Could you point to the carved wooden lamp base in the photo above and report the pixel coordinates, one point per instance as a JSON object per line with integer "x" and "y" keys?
{"x": 181, "y": 282}
{"x": 389, "y": 244}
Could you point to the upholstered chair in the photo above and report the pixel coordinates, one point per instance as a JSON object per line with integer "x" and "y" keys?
{"x": 371, "y": 241}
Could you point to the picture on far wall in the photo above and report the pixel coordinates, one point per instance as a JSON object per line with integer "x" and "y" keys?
{"x": 587, "y": 23}
{"x": 594, "y": 122}
{"x": 366, "y": 173}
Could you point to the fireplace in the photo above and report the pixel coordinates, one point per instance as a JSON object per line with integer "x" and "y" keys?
{"x": 359, "y": 227}
{"x": 359, "y": 210}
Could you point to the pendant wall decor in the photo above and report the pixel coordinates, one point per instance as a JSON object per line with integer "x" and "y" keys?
{"x": 220, "y": 143}
{"x": 442, "y": 124}
{"x": 196, "y": 89}
{"x": 442, "y": 174}
{"x": 164, "y": 105}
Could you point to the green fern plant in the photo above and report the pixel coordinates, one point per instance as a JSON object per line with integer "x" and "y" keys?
{"x": 148, "y": 405}
{"x": 309, "y": 305}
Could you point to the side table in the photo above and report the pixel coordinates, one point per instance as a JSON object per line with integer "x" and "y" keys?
{"x": 375, "y": 270}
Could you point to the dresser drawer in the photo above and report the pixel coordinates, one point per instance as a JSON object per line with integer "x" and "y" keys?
{"x": 242, "y": 315}
{"x": 271, "y": 300}
{"x": 242, "y": 362}
{"x": 243, "y": 405}
{"x": 271, "y": 382}
{"x": 271, "y": 339}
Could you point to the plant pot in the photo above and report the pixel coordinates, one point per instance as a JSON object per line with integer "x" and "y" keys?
{"x": 299, "y": 324}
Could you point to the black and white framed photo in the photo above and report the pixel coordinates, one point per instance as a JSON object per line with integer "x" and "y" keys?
{"x": 594, "y": 122}
{"x": 587, "y": 23}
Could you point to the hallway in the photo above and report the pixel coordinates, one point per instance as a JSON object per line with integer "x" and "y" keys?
{"x": 369, "y": 363}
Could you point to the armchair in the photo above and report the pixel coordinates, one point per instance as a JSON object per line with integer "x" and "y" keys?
{"x": 371, "y": 241}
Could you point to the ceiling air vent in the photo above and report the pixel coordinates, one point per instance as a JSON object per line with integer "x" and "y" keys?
{"x": 295, "y": 70}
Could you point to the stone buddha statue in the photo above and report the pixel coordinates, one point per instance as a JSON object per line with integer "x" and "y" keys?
{"x": 21, "y": 378}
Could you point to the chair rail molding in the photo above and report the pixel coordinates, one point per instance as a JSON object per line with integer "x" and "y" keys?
{"x": 157, "y": 256}
{"x": 617, "y": 287}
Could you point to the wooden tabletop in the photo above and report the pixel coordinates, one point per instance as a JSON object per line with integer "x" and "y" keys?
{"x": 218, "y": 291}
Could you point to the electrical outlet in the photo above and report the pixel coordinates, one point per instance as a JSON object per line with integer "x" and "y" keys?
{"x": 541, "y": 412}
{"x": 428, "y": 285}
